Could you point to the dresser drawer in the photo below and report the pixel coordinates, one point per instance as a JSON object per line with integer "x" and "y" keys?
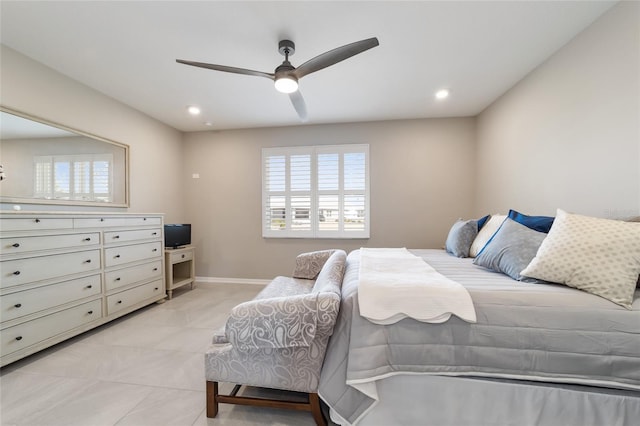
{"x": 26, "y": 244}
{"x": 107, "y": 221}
{"x": 181, "y": 256}
{"x": 34, "y": 224}
{"x": 115, "y": 256}
{"x": 133, "y": 274}
{"x": 128, "y": 298}
{"x": 16, "y": 305}
{"x": 144, "y": 220}
{"x": 29, "y": 333}
{"x": 125, "y": 236}
{"x": 31, "y": 269}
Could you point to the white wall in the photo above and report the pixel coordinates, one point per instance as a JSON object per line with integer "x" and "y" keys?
{"x": 421, "y": 181}
{"x": 155, "y": 148}
{"x": 568, "y": 135}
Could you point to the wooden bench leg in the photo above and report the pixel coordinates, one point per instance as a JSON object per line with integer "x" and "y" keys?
{"x": 212, "y": 399}
{"x": 316, "y": 410}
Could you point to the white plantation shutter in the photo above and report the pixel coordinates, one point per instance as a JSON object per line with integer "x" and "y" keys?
{"x": 355, "y": 186}
{"x": 82, "y": 179}
{"x": 42, "y": 178}
{"x": 316, "y": 192}
{"x": 300, "y": 193}
{"x": 102, "y": 179}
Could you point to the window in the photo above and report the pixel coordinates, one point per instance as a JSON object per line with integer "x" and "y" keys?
{"x": 315, "y": 192}
{"x": 74, "y": 177}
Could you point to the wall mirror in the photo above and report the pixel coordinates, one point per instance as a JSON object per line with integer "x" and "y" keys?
{"x": 47, "y": 163}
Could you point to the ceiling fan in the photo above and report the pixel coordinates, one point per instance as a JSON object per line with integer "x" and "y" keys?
{"x": 286, "y": 76}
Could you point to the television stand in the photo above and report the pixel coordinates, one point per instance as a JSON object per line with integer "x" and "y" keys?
{"x": 180, "y": 268}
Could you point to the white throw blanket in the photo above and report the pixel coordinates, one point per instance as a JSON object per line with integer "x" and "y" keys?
{"x": 395, "y": 284}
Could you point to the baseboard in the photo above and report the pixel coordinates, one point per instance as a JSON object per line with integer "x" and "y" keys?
{"x": 222, "y": 280}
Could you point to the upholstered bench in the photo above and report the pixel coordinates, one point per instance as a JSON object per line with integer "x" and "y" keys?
{"x": 278, "y": 340}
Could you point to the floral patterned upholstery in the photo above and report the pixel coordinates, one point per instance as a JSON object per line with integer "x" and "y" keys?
{"x": 279, "y": 339}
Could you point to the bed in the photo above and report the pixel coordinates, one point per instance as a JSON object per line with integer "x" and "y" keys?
{"x": 539, "y": 354}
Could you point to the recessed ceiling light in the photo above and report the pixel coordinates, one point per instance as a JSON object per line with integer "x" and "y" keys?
{"x": 208, "y": 123}
{"x": 193, "y": 110}
{"x": 442, "y": 94}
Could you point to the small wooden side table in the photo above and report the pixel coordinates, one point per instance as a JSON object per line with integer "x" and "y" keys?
{"x": 180, "y": 268}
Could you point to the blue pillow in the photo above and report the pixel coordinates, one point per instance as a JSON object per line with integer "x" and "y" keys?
{"x": 537, "y": 223}
{"x": 482, "y": 221}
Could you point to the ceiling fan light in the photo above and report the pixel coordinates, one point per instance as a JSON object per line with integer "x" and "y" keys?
{"x": 286, "y": 84}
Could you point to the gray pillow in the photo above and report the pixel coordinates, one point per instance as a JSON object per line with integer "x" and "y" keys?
{"x": 511, "y": 249}
{"x": 460, "y": 237}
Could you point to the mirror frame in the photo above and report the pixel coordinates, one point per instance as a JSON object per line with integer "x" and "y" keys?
{"x": 29, "y": 200}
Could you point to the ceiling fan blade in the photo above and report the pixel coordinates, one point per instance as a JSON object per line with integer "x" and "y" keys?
{"x": 334, "y": 56}
{"x": 298, "y": 103}
{"x": 227, "y": 69}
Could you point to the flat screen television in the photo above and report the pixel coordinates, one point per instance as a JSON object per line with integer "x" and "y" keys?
{"x": 177, "y": 235}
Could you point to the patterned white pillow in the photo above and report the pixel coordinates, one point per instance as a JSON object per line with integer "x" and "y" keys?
{"x": 600, "y": 256}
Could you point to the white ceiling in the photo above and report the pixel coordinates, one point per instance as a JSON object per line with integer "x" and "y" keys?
{"x": 127, "y": 50}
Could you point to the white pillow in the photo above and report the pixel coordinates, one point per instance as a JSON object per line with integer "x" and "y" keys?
{"x": 486, "y": 233}
{"x": 600, "y": 256}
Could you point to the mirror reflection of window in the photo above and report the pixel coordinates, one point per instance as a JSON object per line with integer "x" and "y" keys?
{"x": 73, "y": 177}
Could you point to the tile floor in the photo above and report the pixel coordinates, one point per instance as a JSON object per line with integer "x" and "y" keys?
{"x": 143, "y": 369}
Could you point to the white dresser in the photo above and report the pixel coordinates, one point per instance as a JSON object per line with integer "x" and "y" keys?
{"x": 63, "y": 274}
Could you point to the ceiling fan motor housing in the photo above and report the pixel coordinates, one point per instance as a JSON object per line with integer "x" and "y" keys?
{"x": 286, "y": 48}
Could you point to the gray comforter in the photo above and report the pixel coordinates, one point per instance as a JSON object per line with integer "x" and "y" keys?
{"x": 526, "y": 331}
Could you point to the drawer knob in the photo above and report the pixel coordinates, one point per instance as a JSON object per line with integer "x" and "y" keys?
{"x": 144, "y": 218}
{"x": 16, "y": 273}
{"x": 154, "y": 233}
{"x": 18, "y": 305}
{"x": 101, "y": 219}
{"x": 87, "y": 261}
{"x": 19, "y": 338}
{"x": 37, "y": 220}
{"x": 117, "y": 279}
{"x": 156, "y": 288}
{"x": 154, "y": 250}
{"x": 183, "y": 256}
{"x": 87, "y": 239}
{"x": 89, "y": 286}
{"x": 115, "y": 237}
{"x": 117, "y": 256}
{"x": 90, "y": 312}
{"x": 16, "y": 245}
{"x": 119, "y": 302}
{"x": 155, "y": 269}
